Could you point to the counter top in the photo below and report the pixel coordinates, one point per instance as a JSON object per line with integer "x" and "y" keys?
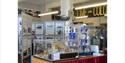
{"x": 80, "y": 57}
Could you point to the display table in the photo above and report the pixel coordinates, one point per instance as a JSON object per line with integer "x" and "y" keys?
{"x": 87, "y": 59}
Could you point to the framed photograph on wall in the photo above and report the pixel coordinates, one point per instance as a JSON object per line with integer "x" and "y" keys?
{"x": 49, "y": 28}
{"x": 39, "y": 28}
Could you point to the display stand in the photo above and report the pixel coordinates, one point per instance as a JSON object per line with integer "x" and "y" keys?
{"x": 20, "y": 42}
{"x": 54, "y": 40}
{"x": 24, "y": 43}
{"x": 59, "y": 43}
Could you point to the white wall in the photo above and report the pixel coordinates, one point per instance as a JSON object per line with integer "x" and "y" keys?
{"x": 46, "y": 18}
{"x": 94, "y": 20}
{"x": 28, "y": 20}
{"x": 58, "y": 3}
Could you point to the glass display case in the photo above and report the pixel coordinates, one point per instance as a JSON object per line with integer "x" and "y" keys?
{"x": 53, "y": 43}
{"x": 24, "y": 41}
{"x": 60, "y": 41}
{"x": 20, "y": 41}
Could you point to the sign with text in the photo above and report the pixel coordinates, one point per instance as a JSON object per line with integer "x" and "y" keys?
{"x": 91, "y": 12}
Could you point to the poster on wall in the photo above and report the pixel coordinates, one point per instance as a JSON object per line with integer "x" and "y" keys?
{"x": 49, "y": 28}
{"x": 84, "y": 35}
{"x": 20, "y": 32}
{"x": 59, "y": 30}
{"x": 39, "y": 28}
{"x": 20, "y": 25}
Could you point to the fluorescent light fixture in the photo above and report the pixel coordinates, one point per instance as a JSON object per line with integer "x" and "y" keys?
{"x": 81, "y": 17}
{"x": 49, "y": 13}
{"x": 92, "y": 5}
{"x": 84, "y": 24}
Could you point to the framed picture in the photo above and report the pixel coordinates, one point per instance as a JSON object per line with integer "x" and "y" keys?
{"x": 39, "y": 28}
{"x": 49, "y": 28}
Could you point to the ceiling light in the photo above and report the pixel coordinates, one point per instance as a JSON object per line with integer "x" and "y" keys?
{"x": 49, "y": 13}
{"x": 92, "y": 5}
{"x": 81, "y": 17}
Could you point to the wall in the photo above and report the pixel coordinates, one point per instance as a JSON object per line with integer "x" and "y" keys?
{"x": 96, "y": 21}
{"x": 46, "y": 18}
{"x": 57, "y": 3}
{"x": 28, "y": 20}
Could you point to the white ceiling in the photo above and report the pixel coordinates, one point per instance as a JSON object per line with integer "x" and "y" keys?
{"x": 37, "y": 2}
{"x": 34, "y": 4}
{"x": 43, "y": 4}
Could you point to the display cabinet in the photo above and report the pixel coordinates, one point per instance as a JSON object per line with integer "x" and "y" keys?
{"x": 56, "y": 41}
{"x": 24, "y": 42}
{"x": 54, "y": 44}
{"x": 20, "y": 42}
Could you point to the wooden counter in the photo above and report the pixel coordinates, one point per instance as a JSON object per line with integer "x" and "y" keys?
{"x": 87, "y": 59}
{"x": 38, "y": 60}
